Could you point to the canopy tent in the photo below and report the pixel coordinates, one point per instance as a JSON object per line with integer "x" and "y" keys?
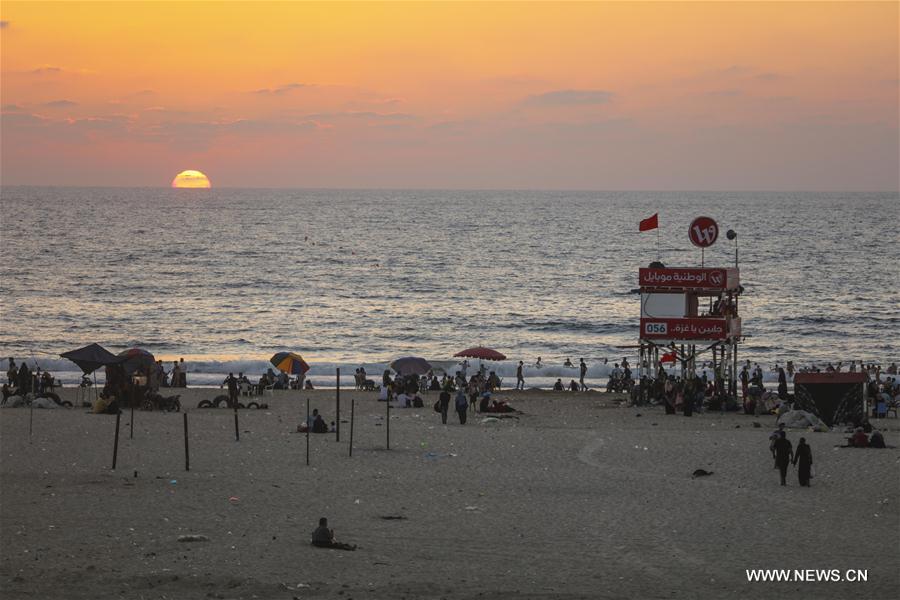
{"x": 411, "y": 365}
{"x": 92, "y": 357}
{"x": 833, "y": 397}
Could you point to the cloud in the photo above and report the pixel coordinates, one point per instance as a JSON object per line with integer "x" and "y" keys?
{"x": 47, "y": 70}
{"x": 768, "y": 76}
{"x": 734, "y": 70}
{"x": 568, "y": 98}
{"x": 12, "y": 108}
{"x": 282, "y": 89}
{"x": 60, "y": 104}
{"x": 363, "y": 114}
{"x": 725, "y": 93}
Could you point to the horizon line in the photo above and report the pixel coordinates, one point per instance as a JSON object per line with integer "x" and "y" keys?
{"x": 474, "y": 189}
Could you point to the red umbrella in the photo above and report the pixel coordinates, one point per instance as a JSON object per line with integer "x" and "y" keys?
{"x": 482, "y": 353}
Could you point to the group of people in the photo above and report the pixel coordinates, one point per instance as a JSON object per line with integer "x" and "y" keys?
{"x": 158, "y": 376}
{"x": 21, "y": 381}
{"x": 784, "y": 455}
{"x": 884, "y": 395}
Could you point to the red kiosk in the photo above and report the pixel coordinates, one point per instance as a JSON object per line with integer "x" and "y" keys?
{"x": 688, "y": 311}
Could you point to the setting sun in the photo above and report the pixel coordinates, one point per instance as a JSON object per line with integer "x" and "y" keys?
{"x": 191, "y": 179}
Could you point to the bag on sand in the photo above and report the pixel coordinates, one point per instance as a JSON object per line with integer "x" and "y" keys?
{"x": 437, "y": 406}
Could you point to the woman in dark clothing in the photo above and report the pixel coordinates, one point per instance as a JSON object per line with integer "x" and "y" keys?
{"x": 783, "y": 455}
{"x": 803, "y": 454}
{"x": 782, "y": 385}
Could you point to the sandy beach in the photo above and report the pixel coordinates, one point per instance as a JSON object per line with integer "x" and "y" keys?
{"x": 576, "y": 498}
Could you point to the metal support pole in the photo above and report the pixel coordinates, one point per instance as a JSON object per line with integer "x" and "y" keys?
{"x": 388, "y": 423}
{"x": 307, "y": 432}
{"x": 337, "y": 416}
{"x": 237, "y": 432}
{"x": 116, "y": 441}
{"x": 187, "y": 453}
{"x": 352, "y": 407}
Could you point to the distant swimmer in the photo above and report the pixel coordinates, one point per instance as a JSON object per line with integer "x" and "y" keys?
{"x": 568, "y": 363}
{"x": 537, "y": 364}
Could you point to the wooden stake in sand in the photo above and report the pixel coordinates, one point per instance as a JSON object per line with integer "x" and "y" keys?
{"x": 337, "y": 416}
{"x": 237, "y": 432}
{"x": 352, "y": 407}
{"x": 307, "y": 432}
{"x": 116, "y": 441}
{"x": 187, "y": 453}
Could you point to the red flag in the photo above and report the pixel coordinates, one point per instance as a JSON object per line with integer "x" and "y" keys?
{"x": 649, "y": 223}
{"x": 669, "y": 356}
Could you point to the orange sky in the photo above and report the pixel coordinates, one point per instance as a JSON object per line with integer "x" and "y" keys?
{"x": 453, "y": 95}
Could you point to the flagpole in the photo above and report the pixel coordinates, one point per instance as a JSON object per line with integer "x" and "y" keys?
{"x": 657, "y": 243}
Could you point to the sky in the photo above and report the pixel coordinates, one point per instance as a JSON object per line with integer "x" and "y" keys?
{"x": 607, "y": 96}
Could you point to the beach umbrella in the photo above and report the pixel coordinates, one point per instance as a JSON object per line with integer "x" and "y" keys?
{"x": 411, "y": 365}
{"x": 134, "y": 359}
{"x": 481, "y": 353}
{"x": 91, "y": 357}
{"x": 290, "y": 363}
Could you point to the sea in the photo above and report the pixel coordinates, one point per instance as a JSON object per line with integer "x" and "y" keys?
{"x": 227, "y": 277}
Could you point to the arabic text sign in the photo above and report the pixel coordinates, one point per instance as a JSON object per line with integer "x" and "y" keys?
{"x": 684, "y": 329}
{"x": 687, "y": 278}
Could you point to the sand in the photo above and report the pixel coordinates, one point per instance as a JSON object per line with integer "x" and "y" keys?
{"x": 578, "y": 498}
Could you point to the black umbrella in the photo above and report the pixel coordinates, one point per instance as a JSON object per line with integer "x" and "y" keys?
{"x": 92, "y": 357}
{"x": 411, "y": 365}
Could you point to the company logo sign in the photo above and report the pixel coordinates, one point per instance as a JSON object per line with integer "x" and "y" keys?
{"x": 703, "y": 232}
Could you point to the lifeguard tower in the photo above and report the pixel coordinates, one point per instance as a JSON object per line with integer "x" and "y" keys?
{"x": 687, "y": 312}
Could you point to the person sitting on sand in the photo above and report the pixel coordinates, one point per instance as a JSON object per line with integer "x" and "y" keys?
{"x": 484, "y": 404}
{"x": 558, "y": 386}
{"x": 319, "y": 425}
{"x": 877, "y": 440}
{"x": 573, "y": 386}
{"x": 859, "y": 439}
{"x": 402, "y": 400}
{"x": 308, "y": 385}
{"x": 322, "y": 537}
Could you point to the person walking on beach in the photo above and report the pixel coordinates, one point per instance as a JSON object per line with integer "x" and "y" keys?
{"x": 462, "y": 405}
{"x": 444, "y": 400}
{"x": 774, "y": 438}
{"x": 175, "y": 378}
{"x": 784, "y": 453}
{"x": 803, "y": 455}
{"x": 12, "y": 372}
{"x": 520, "y": 376}
{"x": 583, "y": 368}
{"x": 182, "y": 371}
{"x": 232, "y": 382}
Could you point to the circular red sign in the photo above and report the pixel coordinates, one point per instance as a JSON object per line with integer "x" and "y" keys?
{"x": 703, "y": 232}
